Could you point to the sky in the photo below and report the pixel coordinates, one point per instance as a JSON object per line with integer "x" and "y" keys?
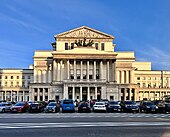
{"x": 142, "y": 26}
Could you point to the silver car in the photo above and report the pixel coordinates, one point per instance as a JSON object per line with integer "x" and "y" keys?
{"x": 5, "y": 107}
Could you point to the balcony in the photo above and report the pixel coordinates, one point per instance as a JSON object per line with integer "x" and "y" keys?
{"x": 84, "y": 81}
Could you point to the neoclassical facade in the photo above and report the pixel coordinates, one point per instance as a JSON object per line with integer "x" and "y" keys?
{"x": 14, "y": 84}
{"x": 84, "y": 65}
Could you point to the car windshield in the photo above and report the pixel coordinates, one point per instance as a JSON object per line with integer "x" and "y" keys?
{"x": 84, "y": 105}
{"x": 149, "y": 103}
{"x": 100, "y": 104}
{"x": 52, "y": 104}
{"x": 68, "y": 102}
{"x": 114, "y": 103}
{"x": 2, "y": 105}
{"x": 130, "y": 102}
{"x": 34, "y": 105}
{"x": 19, "y": 104}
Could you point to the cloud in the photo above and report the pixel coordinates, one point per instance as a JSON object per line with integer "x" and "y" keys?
{"x": 157, "y": 56}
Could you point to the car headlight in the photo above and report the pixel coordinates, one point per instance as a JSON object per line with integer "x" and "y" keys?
{"x": 156, "y": 107}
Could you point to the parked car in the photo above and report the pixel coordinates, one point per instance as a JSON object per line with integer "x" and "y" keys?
{"x": 52, "y": 107}
{"x": 164, "y": 106}
{"x": 20, "y": 107}
{"x": 36, "y": 107}
{"x": 148, "y": 106}
{"x": 114, "y": 106}
{"x": 30, "y": 102}
{"x": 68, "y": 105}
{"x": 106, "y": 101}
{"x": 84, "y": 107}
{"x": 99, "y": 106}
{"x": 5, "y": 107}
{"x": 129, "y": 106}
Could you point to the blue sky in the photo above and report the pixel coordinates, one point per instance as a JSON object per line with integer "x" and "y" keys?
{"x": 142, "y": 26}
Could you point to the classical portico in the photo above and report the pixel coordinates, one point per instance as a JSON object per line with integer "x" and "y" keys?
{"x": 82, "y": 65}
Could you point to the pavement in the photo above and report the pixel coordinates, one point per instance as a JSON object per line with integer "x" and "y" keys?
{"x": 84, "y": 125}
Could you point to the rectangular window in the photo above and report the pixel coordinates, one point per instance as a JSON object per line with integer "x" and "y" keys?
{"x": 29, "y": 77}
{"x": 66, "y": 46}
{"x": 96, "y": 45}
{"x": 102, "y": 46}
{"x": 6, "y": 84}
{"x": 17, "y": 77}
{"x": 138, "y": 78}
{"x": 72, "y": 45}
{"x": 12, "y": 77}
{"x": 6, "y": 77}
{"x": 0, "y": 77}
{"x": 23, "y": 77}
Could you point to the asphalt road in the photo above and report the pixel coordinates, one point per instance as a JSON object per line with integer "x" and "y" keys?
{"x": 85, "y": 125}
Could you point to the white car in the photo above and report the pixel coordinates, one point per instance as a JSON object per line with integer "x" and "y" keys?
{"x": 5, "y": 107}
{"x": 99, "y": 106}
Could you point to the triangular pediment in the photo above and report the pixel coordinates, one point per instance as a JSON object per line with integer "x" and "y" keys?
{"x": 84, "y": 32}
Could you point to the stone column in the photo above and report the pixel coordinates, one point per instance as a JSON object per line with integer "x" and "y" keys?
{"x": 80, "y": 93}
{"x": 44, "y": 76}
{"x": 81, "y": 69}
{"x": 39, "y": 76}
{"x": 75, "y": 75}
{"x": 114, "y": 72}
{"x": 49, "y": 94}
{"x": 43, "y": 94}
{"x": 58, "y": 71}
{"x": 65, "y": 91}
{"x": 38, "y": 94}
{"x": 108, "y": 73}
{"x": 94, "y": 71}
{"x": 127, "y": 77}
{"x": 49, "y": 76}
{"x": 101, "y": 69}
{"x": 124, "y": 94}
{"x": 54, "y": 70}
{"x": 132, "y": 76}
{"x": 122, "y": 77}
{"x": 35, "y": 76}
{"x": 5, "y": 95}
{"x": 61, "y": 70}
{"x": 118, "y": 76}
{"x": 88, "y": 93}
{"x": 73, "y": 93}
{"x": 87, "y": 70}
{"x": 68, "y": 69}
{"x": 95, "y": 92}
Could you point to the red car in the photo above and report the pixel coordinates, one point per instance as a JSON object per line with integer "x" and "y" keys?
{"x": 20, "y": 107}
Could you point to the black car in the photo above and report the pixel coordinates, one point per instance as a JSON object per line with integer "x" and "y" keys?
{"x": 36, "y": 107}
{"x": 148, "y": 106}
{"x": 84, "y": 107}
{"x": 129, "y": 106}
{"x": 164, "y": 107}
{"x": 114, "y": 106}
{"x": 52, "y": 107}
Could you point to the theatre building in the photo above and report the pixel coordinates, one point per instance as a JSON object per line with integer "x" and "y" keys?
{"x": 84, "y": 65}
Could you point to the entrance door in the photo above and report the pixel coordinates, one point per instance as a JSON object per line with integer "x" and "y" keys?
{"x": 84, "y": 97}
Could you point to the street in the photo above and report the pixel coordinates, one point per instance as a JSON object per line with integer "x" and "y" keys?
{"x": 83, "y": 125}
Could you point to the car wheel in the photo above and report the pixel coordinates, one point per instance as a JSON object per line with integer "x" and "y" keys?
{"x": 3, "y": 110}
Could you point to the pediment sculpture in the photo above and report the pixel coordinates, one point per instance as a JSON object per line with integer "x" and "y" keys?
{"x": 83, "y": 43}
